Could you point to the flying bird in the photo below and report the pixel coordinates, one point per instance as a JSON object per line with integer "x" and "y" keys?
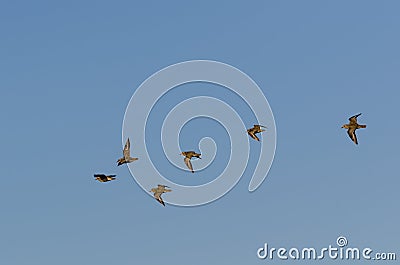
{"x": 352, "y": 127}
{"x": 104, "y": 178}
{"x": 127, "y": 154}
{"x": 188, "y": 156}
{"x": 159, "y": 191}
{"x": 256, "y": 129}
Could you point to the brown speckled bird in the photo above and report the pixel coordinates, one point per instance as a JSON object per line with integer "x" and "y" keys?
{"x": 352, "y": 127}
{"x": 188, "y": 156}
{"x": 256, "y": 129}
{"x": 127, "y": 154}
{"x": 159, "y": 191}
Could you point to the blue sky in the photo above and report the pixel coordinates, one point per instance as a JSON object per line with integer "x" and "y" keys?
{"x": 69, "y": 70}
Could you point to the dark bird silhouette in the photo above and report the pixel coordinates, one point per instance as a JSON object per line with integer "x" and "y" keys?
{"x": 104, "y": 178}
{"x": 188, "y": 156}
{"x": 256, "y": 129}
{"x": 159, "y": 191}
{"x": 352, "y": 127}
{"x": 127, "y": 154}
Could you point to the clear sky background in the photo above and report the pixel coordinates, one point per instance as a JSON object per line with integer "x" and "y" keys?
{"x": 69, "y": 69}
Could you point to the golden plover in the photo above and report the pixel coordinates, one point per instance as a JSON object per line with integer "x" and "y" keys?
{"x": 352, "y": 127}
{"x": 104, "y": 178}
{"x": 127, "y": 154}
{"x": 256, "y": 129}
{"x": 188, "y": 156}
{"x": 159, "y": 191}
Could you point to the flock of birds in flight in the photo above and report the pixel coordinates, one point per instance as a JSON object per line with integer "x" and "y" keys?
{"x": 351, "y": 127}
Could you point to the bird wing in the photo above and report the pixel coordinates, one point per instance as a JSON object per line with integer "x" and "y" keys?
{"x": 188, "y": 163}
{"x": 157, "y": 196}
{"x": 353, "y": 119}
{"x": 252, "y": 134}
{"x": 352, "y": 134}
{"x": 160, "y": 200}
{"x": 127, "y": 148}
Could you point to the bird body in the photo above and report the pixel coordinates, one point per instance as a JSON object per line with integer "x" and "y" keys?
{"x": 352, "y": 126}
{"x": 188, "y": 156}
{"x": 126, "y": 154}
{"x": 104, "y": 178}
{"x": 159, "y": 191}
{"x": 256, "y": 129}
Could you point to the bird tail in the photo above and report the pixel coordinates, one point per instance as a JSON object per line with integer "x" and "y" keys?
{"x": 362, "y": 126}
